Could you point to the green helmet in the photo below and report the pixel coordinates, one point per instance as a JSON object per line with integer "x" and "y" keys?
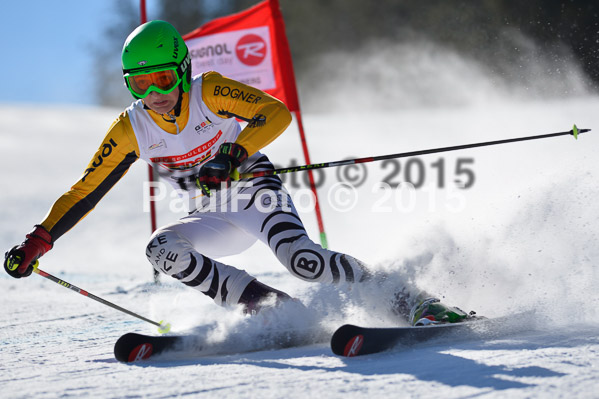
{"x": 152, "y": 47}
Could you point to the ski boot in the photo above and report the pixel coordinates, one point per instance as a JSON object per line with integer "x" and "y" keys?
{"x": 402, "y": 303}
{"x": 258, "y": 295}
{"x": 431, "y": 311}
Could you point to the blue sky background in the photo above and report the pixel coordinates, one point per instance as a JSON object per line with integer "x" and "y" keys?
{"x": 47, "y": 49}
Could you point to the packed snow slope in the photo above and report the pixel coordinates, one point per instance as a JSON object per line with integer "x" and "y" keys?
{"x": 500, "y": 230}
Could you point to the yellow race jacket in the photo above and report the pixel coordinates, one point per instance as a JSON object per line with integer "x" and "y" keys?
{"x": 267, "y": 118}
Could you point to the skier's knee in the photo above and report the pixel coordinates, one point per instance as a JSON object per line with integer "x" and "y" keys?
{"x": 168, "y": 252}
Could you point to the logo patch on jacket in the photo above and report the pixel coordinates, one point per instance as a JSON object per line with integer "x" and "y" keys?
{"x": 162, "y": 143}
{"x": 204, "y": 126}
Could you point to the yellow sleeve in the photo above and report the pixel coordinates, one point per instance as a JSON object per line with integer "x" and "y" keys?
{"x": 267, "y": 117}
{"x": 118, "y": 151}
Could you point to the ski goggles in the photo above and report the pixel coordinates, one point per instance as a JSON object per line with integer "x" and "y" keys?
{"x": 142, "y": 82}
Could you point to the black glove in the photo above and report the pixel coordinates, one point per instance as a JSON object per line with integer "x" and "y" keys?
{"x": 217, "y": 171}
{"x": 19, "y": 261}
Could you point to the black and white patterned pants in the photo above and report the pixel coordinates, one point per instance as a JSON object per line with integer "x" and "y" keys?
{"x": 260, "y": 209}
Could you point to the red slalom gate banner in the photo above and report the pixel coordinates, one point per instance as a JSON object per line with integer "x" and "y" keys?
{"x": 251, "y": 47}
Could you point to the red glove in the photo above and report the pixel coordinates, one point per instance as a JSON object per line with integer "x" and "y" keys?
{"x": 217, "y": 170}
{"x": 19, "y": 261}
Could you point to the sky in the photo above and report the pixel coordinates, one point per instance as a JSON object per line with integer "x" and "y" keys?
{"x": 47, "y": 49}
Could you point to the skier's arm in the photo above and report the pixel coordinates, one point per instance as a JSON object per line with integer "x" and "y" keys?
{"x": 112, "y": 160}
{"x": 117, "y": 152}
{"x": 267, "y": 117}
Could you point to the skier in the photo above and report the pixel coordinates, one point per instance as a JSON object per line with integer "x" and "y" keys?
{"x": 186, "y": 128}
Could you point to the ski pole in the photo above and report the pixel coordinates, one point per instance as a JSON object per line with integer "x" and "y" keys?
{"x": 574, "y": 132}
{"x": 163, "y": 327}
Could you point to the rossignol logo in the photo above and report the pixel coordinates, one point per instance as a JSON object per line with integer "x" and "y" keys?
{"x": 251, "y": 49}
{"x": 211, "y": 51}
{"x": 140, "y": 352}
{"x": 353, "y": 346}
{"x": 105, "y": 152}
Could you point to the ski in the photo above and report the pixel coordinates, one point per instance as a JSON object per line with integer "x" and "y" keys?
{"x": 133, "y": 347}
{"x": 350, "y": 340}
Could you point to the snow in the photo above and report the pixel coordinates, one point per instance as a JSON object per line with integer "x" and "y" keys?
{"x": 523, "y": 238}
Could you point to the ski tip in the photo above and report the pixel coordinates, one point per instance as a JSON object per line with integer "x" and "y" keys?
{"x": 347, "y": 341}
{"x": 127, "y": 349}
